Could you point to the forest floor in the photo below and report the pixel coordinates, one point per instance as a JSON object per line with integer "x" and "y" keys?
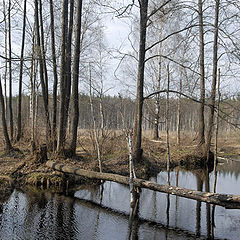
{"x": 20, "y": 166}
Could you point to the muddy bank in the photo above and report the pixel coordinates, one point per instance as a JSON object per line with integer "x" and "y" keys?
{"x": 25, "y": 168}
{"x": 28, "y": 172}
{"x": 6, "y": 188}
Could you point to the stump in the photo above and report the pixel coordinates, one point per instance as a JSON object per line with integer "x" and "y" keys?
{"x": 33, "y": 146}
{"x": 41, "y": 154}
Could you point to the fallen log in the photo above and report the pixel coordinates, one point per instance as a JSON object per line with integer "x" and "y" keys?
{"x": 225, "y": 200}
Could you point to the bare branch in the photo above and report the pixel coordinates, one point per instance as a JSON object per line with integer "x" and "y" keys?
{"x": 195, "y": 100}
{"x": 158, "y": 9}
{"x": 172, "y": 60}
{"x": 170, "y": 35}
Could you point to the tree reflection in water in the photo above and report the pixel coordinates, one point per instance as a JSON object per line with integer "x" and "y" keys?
{"x": 100, "y": 215}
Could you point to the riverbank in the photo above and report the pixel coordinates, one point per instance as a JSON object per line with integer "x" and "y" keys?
{"x": 21, "y": 167}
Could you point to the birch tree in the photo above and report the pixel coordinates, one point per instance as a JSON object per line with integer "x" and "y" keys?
{"x": 42, "y": 79}
{"x": 8, "y": 144}
{"x": 10, "y": 69}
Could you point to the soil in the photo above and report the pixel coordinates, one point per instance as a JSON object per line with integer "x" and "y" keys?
{"x": 21, "y": 166}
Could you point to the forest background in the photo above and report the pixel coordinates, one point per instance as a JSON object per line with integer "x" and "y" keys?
{"x": 103, "y": 66}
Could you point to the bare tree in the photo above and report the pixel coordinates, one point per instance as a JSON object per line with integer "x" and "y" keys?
{"x": 214, "y": 80}
{"x": 144, "y": 17}
{"x": 96, "y": 132}
{"x": 76, "y": 77}
{"x": 42, "y": 79}
{"x": 179, "y": 110}
{"x": 201, "y": 127}
{"x": 10, "y": 70}
{"x": 33, "y": 95}
{"x": 5, "y": 49}
{"x": 157, "y": 100}
{"x": 62, "y": 110}
{"x": 55, "y": 75}
{"x": 43, "y": 52}
{"x": 19, "y": 121}
{"x": 5, "y": 131}
{"x": 137, "y": 134}
{"x": 68, "y": 65}
{"x": 167, "y": 124}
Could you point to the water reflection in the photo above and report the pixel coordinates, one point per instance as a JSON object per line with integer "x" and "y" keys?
{"x": 198, "y": 208}
{"x": 229, "y": 167}
{"x": 102, "y": 212}
{"x": 209, "y": 221}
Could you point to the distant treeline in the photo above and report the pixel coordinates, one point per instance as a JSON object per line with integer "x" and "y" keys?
{"x": 119, "y": 113}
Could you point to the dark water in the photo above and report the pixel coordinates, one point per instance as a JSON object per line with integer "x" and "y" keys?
{"x": 95, "y": 214}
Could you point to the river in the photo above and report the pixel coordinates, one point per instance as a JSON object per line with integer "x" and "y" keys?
{"x": 101, "y": 212}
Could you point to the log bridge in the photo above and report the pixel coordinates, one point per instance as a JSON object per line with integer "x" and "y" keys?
{"x": 224, "y": 200}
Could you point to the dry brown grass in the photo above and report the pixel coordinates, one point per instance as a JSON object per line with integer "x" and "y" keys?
{"x": 114, "y": 153}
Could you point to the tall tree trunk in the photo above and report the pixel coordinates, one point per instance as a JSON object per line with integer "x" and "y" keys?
{"x": 32, "y": 99}
{"x": 61, "y": 133}
{"x": 6, "y": 62}
{"x": 19, "y": 121}
{"x": 167, "y": 125}
{"x": 214, "y": 80}
{"x": 44, "y": 65}
{"x": 10, "y": 70}
{"x": 55, "y": 75}
{"x": 41, "y": 65}
{"x": 201, "y": 127}
{"x": 157, "y": 100}
{"x": 137, "y": 135}
{"x": 101, "y": 94}
{"x": 76, "y": 77}
{"x": 95, "y": 129}
{"x": 4, "y": 123}
{"x": 179, "y": 111}
{"x": 43, "y": 51}
{"x": 68, "y": 64}
{"x": 33, "y": 93}
{"x": 101, "y": 112}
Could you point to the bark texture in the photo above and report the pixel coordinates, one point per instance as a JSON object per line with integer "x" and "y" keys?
{"x": 4, "y": 123}
{"x": 137, "y": 135}
{"x": 201, "y": 127}
{"x": 76, "y": 78}
{"x": 19, "y": 121}
{"x": 42, "y": 79}
{"x": 62, "y": 132}
{"x": 55, "y": 75}
{"x": 214, "y": 81}
{"x": 10, "y": 69}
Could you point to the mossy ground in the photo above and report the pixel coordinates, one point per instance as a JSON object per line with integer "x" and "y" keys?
{"x": 6, "y": 187}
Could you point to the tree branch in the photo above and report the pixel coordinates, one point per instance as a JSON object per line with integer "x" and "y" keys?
{"x": 172, "y": 60}
{"x": 170, "y": 35}
{"x": 157, "y": 9}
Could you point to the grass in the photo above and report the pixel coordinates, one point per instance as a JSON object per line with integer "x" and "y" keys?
{"x": 115, "y": 156}
{"x": 43, "y": 179}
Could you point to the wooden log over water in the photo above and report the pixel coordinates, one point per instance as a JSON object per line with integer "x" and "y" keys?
{"x": 225, "y": 200}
